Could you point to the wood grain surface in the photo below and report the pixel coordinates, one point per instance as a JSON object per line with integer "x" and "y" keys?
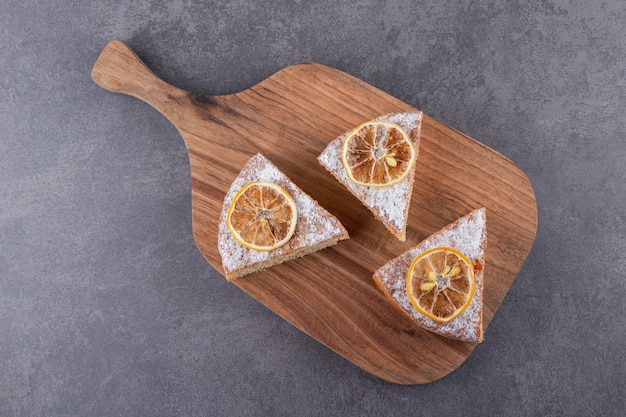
{"x": 290, "y": 117}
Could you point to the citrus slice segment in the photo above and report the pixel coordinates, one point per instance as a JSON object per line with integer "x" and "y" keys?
{"x": 262, "y": 216}
{"x": 440, "y": 283}
{"x": 377, "y": 154}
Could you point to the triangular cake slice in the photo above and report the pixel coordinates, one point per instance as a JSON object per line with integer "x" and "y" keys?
{"x": 467, "y": 235}
{"x": 315, "y": 228}
{"x": 390, "y": 204}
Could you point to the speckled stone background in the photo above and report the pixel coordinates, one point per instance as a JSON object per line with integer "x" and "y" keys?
{"x": 108, "y": 309}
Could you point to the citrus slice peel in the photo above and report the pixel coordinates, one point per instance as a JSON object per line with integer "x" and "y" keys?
{"x": 378, "y": 153}
{"x": 440, "y": 283}
{"x": 262, "y": 216}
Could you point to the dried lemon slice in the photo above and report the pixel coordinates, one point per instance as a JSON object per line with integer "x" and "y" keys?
{"x": 440, "y": 283}
{"x": 262, "y": 216}
{"x": 377, "y": 154}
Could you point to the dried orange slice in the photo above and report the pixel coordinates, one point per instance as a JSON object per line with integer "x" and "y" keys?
{"x": 440, "y": 283}
{"x": 262, "y": 216}
{"x": 377, "y": 154}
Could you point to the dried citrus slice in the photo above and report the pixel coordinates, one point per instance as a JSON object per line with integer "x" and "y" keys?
{"x": 262, "y": 216}
{"x": 377, "y": 154}
{"x": 440, "y": 283}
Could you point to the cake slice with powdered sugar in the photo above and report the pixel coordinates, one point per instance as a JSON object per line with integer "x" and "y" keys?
{"x": 389, "y": 204}
{"x": 467, "y": 235}
{"x": 315, "y": 229}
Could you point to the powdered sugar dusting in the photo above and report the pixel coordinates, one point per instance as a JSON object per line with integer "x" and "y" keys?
{"x": 390, "y": 204}
{"x": 314, "y": 227}
{"x": 467, "y": 235}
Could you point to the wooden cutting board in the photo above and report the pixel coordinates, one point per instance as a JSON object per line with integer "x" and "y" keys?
{"x": 290, "y": 118}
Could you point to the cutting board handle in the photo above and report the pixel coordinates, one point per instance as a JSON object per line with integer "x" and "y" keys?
{"x": 120, "y": 70}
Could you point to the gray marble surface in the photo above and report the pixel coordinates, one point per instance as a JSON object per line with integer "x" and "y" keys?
{"x": 108, "y": 309}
